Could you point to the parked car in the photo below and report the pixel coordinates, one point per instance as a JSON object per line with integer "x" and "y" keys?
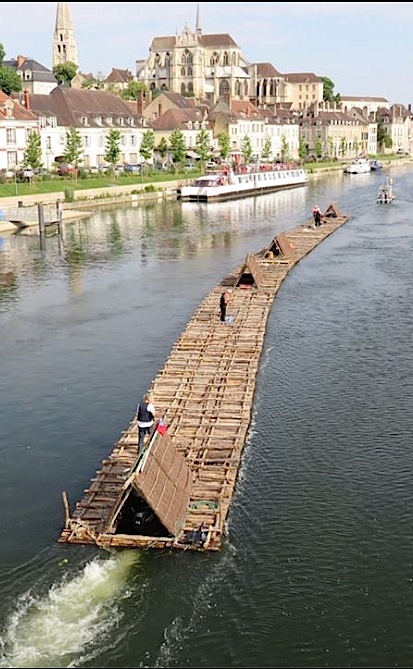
{"x": 65, "y": 169}
{"x": 6, "y": 174}
{"x": 132, "y": 168}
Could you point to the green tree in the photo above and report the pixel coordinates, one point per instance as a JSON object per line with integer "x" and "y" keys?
{"x": 343, "y": 146}
{"x": 302, "y": 148}
{"x": 147, "y": 145}
{"x": 203, "y": 146}
{"x": 328, "y": 90}
{"x": 177, "y": 146}
{"x": 384, "y": 141}
{"x": 132, "y": 89}
{"x": 64, "y": 72}
{"x": 285, "y": 149}
{"x": 73, "y": 147}
{"x": 266, "y": 152}
{"x": 330, "y": 143}
{"x": 162, "y": 149}
{"x": 112, "y": 147}
{"x": 318, "y": 147}
{"x": 33, "y": 153}
{"x": 10, "y": 81}
{"x": 224, "y": 144}
{"x": 246, "y": 148}
{"x": 94, "y": 82}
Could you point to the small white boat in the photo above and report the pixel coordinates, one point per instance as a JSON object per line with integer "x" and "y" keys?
{"x": 358, "y": 166}
{"x": 385, "y": 194}
{"x": 227, "y": 184}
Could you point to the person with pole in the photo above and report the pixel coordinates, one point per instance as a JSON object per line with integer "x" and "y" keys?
{"x": 145, "y": 419}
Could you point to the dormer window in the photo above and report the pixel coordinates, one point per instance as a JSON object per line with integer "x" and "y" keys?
{"x": 121, "y": 121}
{"x": 98, "y": 120}
{"x": 109, "y": 120}
{"x": 83, "y": 120}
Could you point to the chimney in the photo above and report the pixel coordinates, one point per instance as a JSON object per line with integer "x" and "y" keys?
{"x": 26, "y": 100}
{"x": 139, "y": 102}
{"x": 20, "y": 60}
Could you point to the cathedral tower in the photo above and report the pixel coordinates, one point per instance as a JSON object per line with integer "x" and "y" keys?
{"x": 64, "y": 42}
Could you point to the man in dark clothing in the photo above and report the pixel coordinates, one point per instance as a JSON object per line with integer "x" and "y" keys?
{"x": 224, "y": 300}
{"x": 317, "y": 216}
{"x": 145, "y": 420}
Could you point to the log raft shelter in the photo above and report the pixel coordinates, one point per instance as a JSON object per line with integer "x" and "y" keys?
{"x": 178, "y": 492}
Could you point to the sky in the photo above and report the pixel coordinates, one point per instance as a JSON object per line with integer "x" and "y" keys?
{"x": 364, "y": 48}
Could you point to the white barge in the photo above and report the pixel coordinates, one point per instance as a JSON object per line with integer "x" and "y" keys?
{"x": 228, "y": 185}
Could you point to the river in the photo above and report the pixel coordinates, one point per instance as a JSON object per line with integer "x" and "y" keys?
{"x": 317, "y": 566}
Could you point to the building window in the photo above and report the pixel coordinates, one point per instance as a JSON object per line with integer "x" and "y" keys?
{"x": 11, "y": 159}
{"x": 11, "y": 136}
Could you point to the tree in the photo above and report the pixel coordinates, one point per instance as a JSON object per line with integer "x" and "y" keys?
{"x": 224, "y": 145}
{"x": 177, "y": 146}
{"x": 163, "y": 149}
{"x": 246, "y": 148}
{"x": 94, "y": 82}
{"x": 330, "y": 143}
{"x": 266, "y": 152}
{"x": 147, "y": 145}
{"x": 203, "y": 146}
{"x": 73, "y": 147}
{"x": 285, "y": 149}
{"x": 10, "y": 81}
{"x": 318, "y": 147}
{"x": 384, "y": 141}
{"x": 328, "y": 90}
{"x": 112, "y": 147}
{"x": 33, "y": 153}
{"x": 64, "y": 72}
{"x": 302, "y": 148}
{"x": 131, "y": 91}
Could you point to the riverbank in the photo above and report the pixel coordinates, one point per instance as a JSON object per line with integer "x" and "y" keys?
{"x": 85, "y": 201}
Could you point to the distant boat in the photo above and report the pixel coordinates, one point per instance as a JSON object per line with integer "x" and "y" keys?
{"x": 358, "y": 166}
{"x": 385, "y": 194}
{"x": 375, "y": 165}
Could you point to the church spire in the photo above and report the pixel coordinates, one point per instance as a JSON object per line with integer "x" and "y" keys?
{"x": 64, "y": 41}
{"x": 198, "y": 21}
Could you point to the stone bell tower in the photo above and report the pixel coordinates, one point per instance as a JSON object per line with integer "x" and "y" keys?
{"x": 64, "y": 42}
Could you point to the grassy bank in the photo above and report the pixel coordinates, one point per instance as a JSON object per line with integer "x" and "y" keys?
{"x": 44, "y": 185}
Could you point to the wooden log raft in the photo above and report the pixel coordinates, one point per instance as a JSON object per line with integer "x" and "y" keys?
{"x": 178, "y": 493}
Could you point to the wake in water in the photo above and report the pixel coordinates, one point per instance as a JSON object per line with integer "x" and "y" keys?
{"x": 57, "y": 629}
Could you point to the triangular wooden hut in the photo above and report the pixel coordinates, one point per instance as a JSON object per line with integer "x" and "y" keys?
{"x": 250, "y": 273}
{"x": 280, "y": 246}
{"x": 332, "y": 211}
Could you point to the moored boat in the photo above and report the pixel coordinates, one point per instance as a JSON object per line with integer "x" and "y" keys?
{"x": 227, "y": 184}
{"x": 358, "y": 166}
{"x": 385, "y": 194}
{"x": 375, "y": 165}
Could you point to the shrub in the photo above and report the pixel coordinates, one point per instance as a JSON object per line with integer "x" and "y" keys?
{"x": 69, "y": 194}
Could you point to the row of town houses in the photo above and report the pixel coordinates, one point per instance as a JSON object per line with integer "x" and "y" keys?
{"x": 192, "y": 82}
